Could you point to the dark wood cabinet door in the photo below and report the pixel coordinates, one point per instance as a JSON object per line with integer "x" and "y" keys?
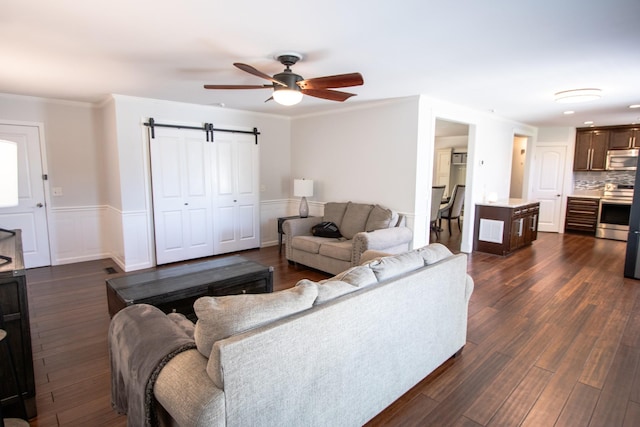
{"x": 599, "y": 147}
{"x": 582, "y": 156}
{"x": 621, "y": 139}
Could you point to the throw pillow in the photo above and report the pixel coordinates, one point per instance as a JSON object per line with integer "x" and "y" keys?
{"x": 355, "y": 219}
{"x": 222, "y": 317}
{"x": 434, "y": 252}
{"x": 379, "y": 218}
{"x": 392, "y": 266}
{"x": 334, "y": 212}
{"x": 357, "y": 276}
{"x": 330, "y": 289}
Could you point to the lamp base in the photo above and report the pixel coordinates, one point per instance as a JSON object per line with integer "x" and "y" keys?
{"x": 304, "y": 208}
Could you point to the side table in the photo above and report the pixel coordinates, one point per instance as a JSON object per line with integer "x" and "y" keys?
{"x": 281, "y": 221}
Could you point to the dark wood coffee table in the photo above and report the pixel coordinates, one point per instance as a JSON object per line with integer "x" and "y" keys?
{"x": 175, "y": 289}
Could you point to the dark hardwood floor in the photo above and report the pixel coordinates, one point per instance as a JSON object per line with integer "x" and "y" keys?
{"x": 553, "y": 340}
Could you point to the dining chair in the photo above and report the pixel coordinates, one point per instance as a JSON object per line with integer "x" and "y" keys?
{"x": 436, "y": 197}
{"x": 453, "y": 210}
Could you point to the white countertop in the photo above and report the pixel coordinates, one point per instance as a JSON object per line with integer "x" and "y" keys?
{"x": 595, "y": 194}
{"x": 509, "y": 203}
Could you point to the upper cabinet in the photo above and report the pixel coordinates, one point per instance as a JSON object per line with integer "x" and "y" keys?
{"x": 592, "y": 145}
{"x": 591, "y": 150}
{"x": 623, "y": 138}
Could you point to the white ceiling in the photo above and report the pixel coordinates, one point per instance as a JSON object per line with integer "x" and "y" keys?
{"x": 504, "y": 56}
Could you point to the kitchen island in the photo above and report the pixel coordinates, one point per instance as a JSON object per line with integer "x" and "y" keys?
{"x": 506, "y": 225}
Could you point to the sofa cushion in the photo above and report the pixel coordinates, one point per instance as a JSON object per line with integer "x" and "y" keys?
{"x": 379, "y": 218}
{"x": 310, "y": 244}
{"x": 330, "y": 289}
{"x": 337, "y": 249}
{"x": 222, "y": 317}
{"x": 355, "y": 219}
{"x": 357, "y": 276}
{"x": 391, "y": 266}
{"x": 334, "y": 212}
{"x": 434, "y": 252}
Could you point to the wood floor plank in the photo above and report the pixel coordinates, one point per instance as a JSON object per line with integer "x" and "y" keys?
{"x": 579, "y": 407}
{"x": 632, "y": 415}
{"x": 614, "y": 398}
{"x": 600, "y": 360}
{"x": 520, "y": 401}
{"x": 549, "y": 405}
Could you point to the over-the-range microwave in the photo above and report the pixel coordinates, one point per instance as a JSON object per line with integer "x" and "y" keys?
{"x": 622, "y": 160}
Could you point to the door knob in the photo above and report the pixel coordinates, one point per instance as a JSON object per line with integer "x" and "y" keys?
{"x": 39, "y": 205}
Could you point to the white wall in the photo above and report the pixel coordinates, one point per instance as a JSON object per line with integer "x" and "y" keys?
{"x": 362, "y": 154}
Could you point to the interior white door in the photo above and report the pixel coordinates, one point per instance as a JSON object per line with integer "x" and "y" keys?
{"x": 548, "y": 180}
{"x": 30, "y": 215}
{"x": 182, "y": 193}
{"x": 237, "y": 196}
{"x": 442, "y": 170}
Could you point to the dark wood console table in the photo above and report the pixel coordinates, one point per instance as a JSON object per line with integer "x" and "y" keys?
{"x": 176, "y": 288}
{"x": 15, "y": 321}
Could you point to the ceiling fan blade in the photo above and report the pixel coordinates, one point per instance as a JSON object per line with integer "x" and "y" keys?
{"x": 237, "y": 86}
{"x": 251, "y": 70}
{"x": 333, "y": 95}
{"x": 340, "y": 80}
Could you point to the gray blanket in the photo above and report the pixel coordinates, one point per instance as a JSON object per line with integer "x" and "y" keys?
{"x": 142, "y": 339}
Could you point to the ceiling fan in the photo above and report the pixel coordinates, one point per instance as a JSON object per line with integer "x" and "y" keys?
{"x": 289, "y": 87}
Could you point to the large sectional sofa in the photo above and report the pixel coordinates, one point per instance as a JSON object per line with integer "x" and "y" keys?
{"x": 362, "y": 226}
{"x": 329, "y": 353}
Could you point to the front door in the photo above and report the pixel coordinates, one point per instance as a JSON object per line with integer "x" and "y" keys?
{"x": 548, "y": 183}
{"x": 30, "y": 215}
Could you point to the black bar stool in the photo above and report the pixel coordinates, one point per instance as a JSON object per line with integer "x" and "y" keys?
{"x": 13, "y": 422}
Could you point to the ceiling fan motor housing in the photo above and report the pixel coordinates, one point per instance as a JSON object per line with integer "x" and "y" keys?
{"x": 288, "y": 78}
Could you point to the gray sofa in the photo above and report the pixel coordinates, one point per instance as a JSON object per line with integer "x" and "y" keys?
{"x": 363, "y": 227}
{"x": 331, "y": 353}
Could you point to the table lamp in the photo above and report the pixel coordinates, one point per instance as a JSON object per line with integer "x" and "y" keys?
{"x": 303, "y": 188}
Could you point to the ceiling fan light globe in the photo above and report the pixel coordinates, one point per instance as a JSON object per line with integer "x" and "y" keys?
{"x": 287, "y": 96}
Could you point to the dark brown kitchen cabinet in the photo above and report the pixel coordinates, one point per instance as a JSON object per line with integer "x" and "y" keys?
{"x": 582, "y": 214}
{"x": 503, "y": 228}
{"x": 15, "y": 322}
{"x": 623, "y": 138}
{"x": 591, "y": 150}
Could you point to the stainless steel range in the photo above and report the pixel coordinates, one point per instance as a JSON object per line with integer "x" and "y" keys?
{"x": 613, "y": 215}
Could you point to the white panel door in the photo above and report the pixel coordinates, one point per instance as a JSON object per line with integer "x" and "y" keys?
{"x": 182, "y": 194}
{"x": 548, "y": 179}
{"x": 237, "y": 197}
{"x": 442, "y": 170}
{"x": 30, "y": 215}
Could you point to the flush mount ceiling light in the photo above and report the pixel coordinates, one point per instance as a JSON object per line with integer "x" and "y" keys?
{"x": 634, "y": 106}
{"x": 577, "y": 95}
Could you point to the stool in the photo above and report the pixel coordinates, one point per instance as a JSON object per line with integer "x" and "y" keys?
{"x": 13, "y": 422}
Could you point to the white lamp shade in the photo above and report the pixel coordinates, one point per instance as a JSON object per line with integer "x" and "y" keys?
{"x": 287, "y": 96}
{"x": 8, "y": 173}
{"x": 303, "y": 187}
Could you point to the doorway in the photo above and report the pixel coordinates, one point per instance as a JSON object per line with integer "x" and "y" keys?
{"x": 518, "y": 162}
{"x": 30, "y": 215}
{"x": 450, "y": 169}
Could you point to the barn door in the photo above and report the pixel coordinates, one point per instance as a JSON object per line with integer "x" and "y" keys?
{"x": 236, "y": 189}
{"x": 182, "y": 194}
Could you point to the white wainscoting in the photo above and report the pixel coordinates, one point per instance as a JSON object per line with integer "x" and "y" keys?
{"x": 271, "y": 210}
{"x": 78, "y": 234}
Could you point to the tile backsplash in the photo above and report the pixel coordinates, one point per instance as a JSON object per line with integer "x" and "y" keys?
{"x": 597, "y": 180}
